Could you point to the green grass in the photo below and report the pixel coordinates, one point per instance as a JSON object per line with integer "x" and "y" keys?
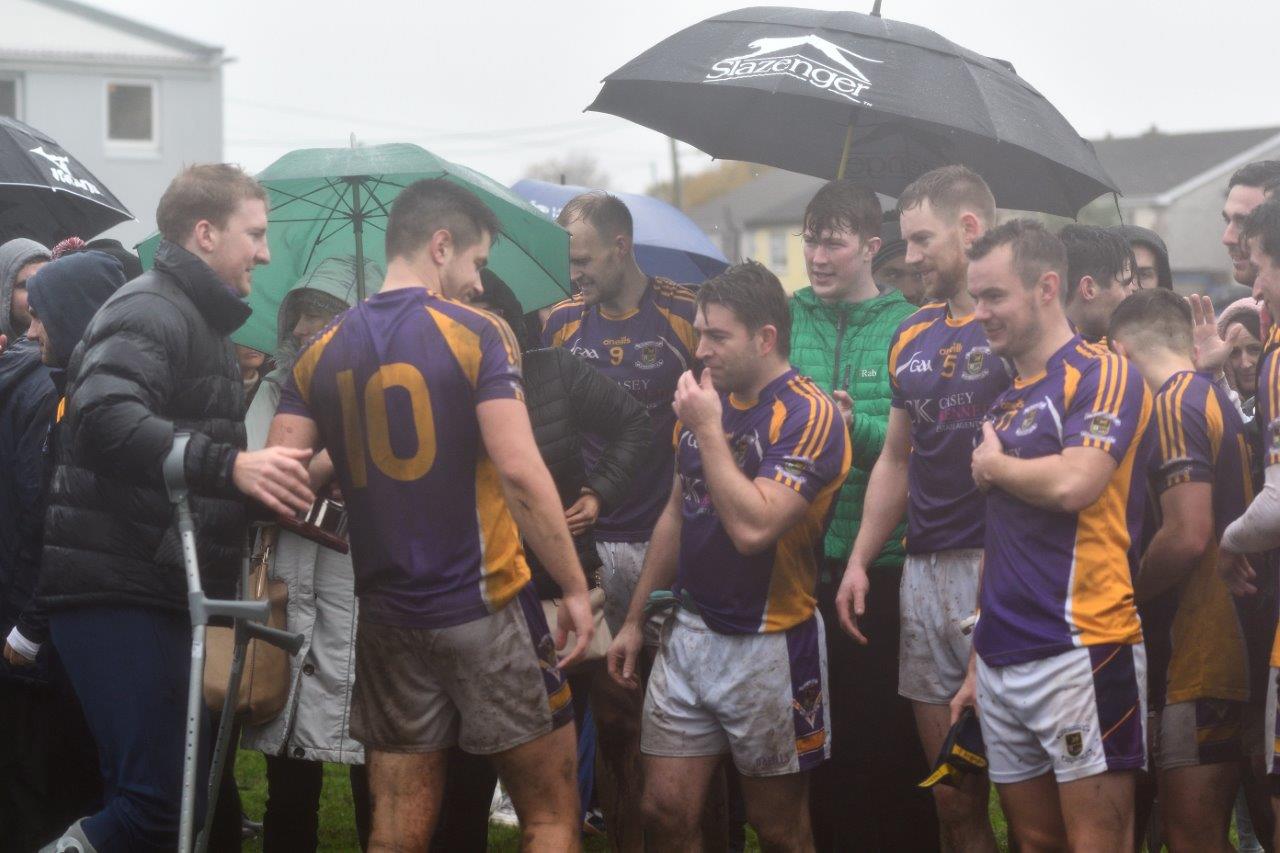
{"x": 338, "y": 829}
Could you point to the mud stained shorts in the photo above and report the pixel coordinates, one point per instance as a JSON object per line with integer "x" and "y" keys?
{"x": 760, "y": 697}
{"x": 1079, "y": 713}
{"x": 938, "y": 593}
{"x": 1198, "y": 731}
{"x": 487, "y": 685}
{"x": 619, "y": 574}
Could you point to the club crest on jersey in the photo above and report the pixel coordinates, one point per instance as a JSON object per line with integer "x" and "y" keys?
{"x": 649, "y": 354}
{"x": 1028, "y": 424}
{"x": 1100, "y": 424}
{"x": 975, "y": 363}
{"x": 1073, "y": 743}
{"x": 808, "y": 701}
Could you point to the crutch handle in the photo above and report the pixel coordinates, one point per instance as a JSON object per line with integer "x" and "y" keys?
{"x": 291, "y": 643}
{"x": 175, "y": 468}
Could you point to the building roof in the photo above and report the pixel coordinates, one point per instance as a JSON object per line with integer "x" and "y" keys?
{"x": 70, "y": 31}
{"x": 1155, "y": 163}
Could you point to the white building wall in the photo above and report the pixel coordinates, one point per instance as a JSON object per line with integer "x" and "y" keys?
{"x": 68, "y": 102}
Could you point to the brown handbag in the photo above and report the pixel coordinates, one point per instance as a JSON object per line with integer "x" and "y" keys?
{"x": 598, "y": 648}
{"x": 264, "y": 686}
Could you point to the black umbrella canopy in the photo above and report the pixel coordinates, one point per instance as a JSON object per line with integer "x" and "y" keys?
{"x": 825, "y": 93}
{"x": 45, "y": 193}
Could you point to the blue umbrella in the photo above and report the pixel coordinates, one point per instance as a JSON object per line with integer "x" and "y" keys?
{"x": 667, "y": 242}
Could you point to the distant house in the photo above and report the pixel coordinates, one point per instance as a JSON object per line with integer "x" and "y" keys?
{"x": 1173, "y": 183}
{"x": 761, "y": 220}
{"x": 131, "y": 102}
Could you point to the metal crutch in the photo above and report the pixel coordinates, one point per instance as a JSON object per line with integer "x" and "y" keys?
{"x": 249, "y": 619}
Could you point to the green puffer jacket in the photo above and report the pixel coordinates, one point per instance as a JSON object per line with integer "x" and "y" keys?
{"x": 847, "y": 346}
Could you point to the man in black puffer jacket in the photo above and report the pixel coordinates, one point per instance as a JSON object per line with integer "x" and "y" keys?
{"x": 155, "y": 360}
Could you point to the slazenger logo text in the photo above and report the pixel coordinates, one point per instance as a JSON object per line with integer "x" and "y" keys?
{"x": 60, "y": 171}
{"x": 777, "y": 56}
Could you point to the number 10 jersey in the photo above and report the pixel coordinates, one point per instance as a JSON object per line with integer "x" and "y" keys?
{"x": 393, "y": 386}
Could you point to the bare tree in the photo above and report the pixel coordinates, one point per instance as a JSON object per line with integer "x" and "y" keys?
{"x": 576, "y": 167}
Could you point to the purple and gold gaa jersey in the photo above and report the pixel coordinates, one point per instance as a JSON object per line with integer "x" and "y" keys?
{"x": 945, "y": 377}
{"x": 1195, "y": 642}
{"x": 393, "y": 386}
{"x": 1053, "y": 581}
{"x": 645, "y": 352}
{"x": 792, "y": 435}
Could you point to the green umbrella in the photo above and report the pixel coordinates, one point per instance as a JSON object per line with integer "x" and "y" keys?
{"x": 328, "y": 202}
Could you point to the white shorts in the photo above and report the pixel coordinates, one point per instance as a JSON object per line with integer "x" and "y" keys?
{"x": 1271, "y": 726}
{"x": 939, "y": 592}
{"x": 1198, "y": 732}
{"x": 1079, "y": 713}
{"x": 760, "y": 697}
{"x": 619, "y": 575}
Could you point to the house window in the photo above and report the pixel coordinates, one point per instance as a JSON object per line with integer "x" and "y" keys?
{"x": 778, "y": 250}
{"x": 131, "y": 113}
{"x": 9, "y": 97}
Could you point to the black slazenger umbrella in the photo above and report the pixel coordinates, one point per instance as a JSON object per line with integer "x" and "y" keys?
{"x": 45, "y": 194}
{"x": 842, "y": 94}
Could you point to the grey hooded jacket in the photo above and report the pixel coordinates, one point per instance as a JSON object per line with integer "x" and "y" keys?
{"x": 315, "y": 722}
{"x": 14, "y": 255}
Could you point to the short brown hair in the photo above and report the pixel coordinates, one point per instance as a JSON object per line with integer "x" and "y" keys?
{"x": 843, "y": 205}
{"x": 1036, "y": 249}
{"x": 434, "y": 204}
{"x": 606, "y": 213}
{"x": 951, "y": 189}
{"x": 754, "y": 295}
{"x": 209, "y": 191}
{"x": 1159, "y": 317}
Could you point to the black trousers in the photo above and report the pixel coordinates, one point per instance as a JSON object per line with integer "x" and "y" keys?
{"x": 292, "y": 818}
{"x": 49, "y": 773}
{"x": 865, "y": 798}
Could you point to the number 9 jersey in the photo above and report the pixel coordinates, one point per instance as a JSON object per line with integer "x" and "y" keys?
{"x": 393, "y": 385}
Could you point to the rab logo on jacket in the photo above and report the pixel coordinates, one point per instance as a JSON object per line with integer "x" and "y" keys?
{"x": 822, "y": 64}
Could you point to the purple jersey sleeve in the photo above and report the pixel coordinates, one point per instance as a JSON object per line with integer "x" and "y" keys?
{"x": 810, "y": 448}
{"x": 1184, "y": 453}
{"x": 499, "y": 374}
{"x": 291, "y": 402}
{"x": 1105, "y": 410}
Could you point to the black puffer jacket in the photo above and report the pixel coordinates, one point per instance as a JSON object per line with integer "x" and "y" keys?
{"x": 155, "y": 359}
{"x": 567, "y": 397}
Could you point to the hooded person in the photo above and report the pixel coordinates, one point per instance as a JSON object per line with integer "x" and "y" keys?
{"x": 19, "y": 259}
{"x": 1152, "y": 269}
{"x": 313, "y": 726}
{"x": 52, "y": 777}
{"x": 317, "y": 298}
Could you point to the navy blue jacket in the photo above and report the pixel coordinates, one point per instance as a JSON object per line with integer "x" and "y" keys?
{"x": 27, "y": 402}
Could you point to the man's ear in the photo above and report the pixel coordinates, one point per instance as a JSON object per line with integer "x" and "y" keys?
{"x": 872, "y": 246}
{"x": 203, "y": 236}
{"x": 1050, "y": 285}
{"x": 1088, "y": 288}
{"x": 970, "y": 228}
{"x": 768, "y": 338}
{"x": 622, "y": 244}
{"x": 440, "y": 247}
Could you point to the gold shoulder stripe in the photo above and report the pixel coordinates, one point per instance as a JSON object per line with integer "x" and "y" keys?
{"x": 1162, "y": 424}
{"x": 906, "y": 336}
{"x": 305, "y": 369}
{"x": 1213, "y": 422}
{"x": 810, "y": 422}
{"x": 504, "y": 331}
{"x": 823, "y": 431}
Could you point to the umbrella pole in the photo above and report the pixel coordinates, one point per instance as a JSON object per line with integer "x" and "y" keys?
{"x": 357, "y": 223}
{"x": 844, "y": 155}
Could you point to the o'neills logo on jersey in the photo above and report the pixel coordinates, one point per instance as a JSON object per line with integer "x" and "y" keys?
{"x": 810, "y": 58}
